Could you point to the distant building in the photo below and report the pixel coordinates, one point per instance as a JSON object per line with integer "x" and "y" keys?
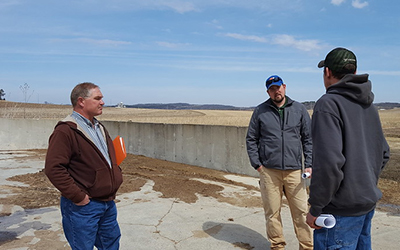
{"x": 121, "y": 105}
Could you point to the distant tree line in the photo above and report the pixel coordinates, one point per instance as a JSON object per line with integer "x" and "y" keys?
{"x": 382, "y": 105}
{"x": 2, "y": 94}
{"x": 185, "y": 106}
{"x": 387, "y": 105}
{"x": 180, "y": 106}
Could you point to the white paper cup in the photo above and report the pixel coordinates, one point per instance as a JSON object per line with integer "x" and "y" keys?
{"x": 325, "y": 220}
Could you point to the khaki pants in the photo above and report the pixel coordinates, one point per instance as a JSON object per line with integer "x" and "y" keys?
{"x": 274, "y": 183}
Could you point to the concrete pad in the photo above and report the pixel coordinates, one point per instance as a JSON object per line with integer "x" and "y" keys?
{"x": 148, "y": 221}
{"x": 16, "y": 163}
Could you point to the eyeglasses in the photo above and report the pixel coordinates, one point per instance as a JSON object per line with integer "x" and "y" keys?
{"x": 272, "y": 80}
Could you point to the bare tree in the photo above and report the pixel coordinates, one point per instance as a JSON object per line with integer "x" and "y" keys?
{"x": 25, "y": 89}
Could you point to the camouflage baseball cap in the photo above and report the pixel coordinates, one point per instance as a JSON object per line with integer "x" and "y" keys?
{"x": 337, "y": 59}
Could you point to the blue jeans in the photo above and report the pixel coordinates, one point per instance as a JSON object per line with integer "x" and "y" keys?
{"x": 94, "y": 224}
{"x": 350, "y": 233}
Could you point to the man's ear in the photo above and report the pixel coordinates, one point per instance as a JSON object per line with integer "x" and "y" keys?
{"x": 81, "y": 102}
{"x": 328, "y": 72}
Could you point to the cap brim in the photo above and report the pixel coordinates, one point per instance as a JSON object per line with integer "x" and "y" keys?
{"x": 321, "y": 64}
{"x": 275, "y": 83}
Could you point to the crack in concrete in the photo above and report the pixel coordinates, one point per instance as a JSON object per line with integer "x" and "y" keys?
{"x": 160, "y": 221}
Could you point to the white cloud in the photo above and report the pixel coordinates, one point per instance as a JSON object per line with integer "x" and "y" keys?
{"x": 7, "y": 3}
{"x": 382, "y": 72}
{"x": 178, "y": 6}
{"x": 171, "y": 45}
{"x": 184, "y": 6}
{"x": 105, "y": 42}
{"x": 290, "y": 41}
{"x": 358, "y": 4}
{"x": 337, "y": 2}
{"x": 246, "y": 38}
{"x": 282, "y": 39}
{"x": 101, "y": 42}
{"x": 215, "y": 23}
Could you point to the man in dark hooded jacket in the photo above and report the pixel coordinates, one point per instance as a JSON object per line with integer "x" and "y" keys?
{"x": 349, "y": 153}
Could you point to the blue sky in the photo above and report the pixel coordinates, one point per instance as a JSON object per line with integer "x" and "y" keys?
{"x": 199, "y": 52}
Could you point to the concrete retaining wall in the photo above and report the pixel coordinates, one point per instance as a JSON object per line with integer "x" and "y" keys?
{"x": 216, "y": 147}
{"x": 25, "y": 133}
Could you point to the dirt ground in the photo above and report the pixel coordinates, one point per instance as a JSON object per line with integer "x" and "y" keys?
{"x": 173, "y": 180}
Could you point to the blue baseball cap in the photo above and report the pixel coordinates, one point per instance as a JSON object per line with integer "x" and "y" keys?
{"x": 273, "y": 80}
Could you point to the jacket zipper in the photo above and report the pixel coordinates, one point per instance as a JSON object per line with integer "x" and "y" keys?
{"x": 110, "y": 169}
{"x": 283, "y": 138}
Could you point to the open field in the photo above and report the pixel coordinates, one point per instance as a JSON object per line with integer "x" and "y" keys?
{"x": 208, "y": 117}
{"x": 389, "y": 183}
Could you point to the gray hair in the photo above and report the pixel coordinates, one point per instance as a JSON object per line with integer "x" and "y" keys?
{"x": 81, "y": 90}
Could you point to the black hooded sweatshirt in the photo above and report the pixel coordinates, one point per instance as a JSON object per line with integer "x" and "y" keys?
{"x": 349, "y": 149}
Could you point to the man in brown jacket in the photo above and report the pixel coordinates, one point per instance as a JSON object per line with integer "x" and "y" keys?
{"x": 81, "y": 164}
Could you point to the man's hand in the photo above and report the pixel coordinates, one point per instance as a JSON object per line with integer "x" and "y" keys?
{"x": 308, "y": 170}
{"x": 259, "y": 168}
{"x": 84, "y": 202}
{"x": 311, "y": 221}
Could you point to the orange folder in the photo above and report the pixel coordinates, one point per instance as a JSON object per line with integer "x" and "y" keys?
{"x": 120, "y": 151}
